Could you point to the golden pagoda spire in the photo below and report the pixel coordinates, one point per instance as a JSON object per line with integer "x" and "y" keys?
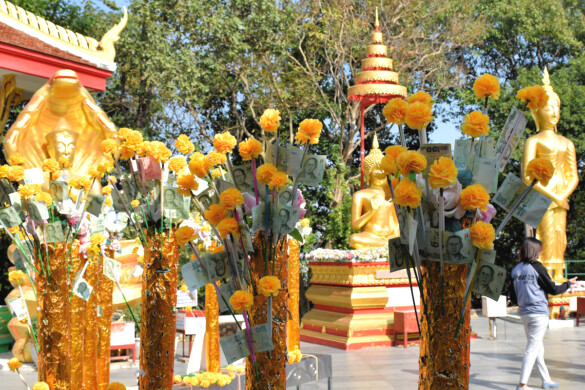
{"x": 377, "y": 24}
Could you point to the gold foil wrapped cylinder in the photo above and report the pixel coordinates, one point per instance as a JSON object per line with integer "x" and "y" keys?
{"x": 444, "y": 359}
{"x": 158, "y": 323}
{"x": 104, "y": 324}
{"x": 90, "y": 342}
{"x": 77, "y": 325}
{"x": 292, "y": 324}
{"x": 212, "y": 359}
{"x": 271, "y": 367}
{"x": 54, "y": 317}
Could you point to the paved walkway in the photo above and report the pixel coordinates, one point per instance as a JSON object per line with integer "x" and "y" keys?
{"x": 495, "y": 364}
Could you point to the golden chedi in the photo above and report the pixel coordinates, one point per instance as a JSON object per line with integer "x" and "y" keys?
{"x": 560, "y": 151}
{"x": 60, "y": 119}
{"x": 371, "y": 212}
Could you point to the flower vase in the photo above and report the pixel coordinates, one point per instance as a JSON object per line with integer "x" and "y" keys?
{"x": 444, "y": 360}
{"x": 271, "y": 365}
{"x": 158, "y": 313}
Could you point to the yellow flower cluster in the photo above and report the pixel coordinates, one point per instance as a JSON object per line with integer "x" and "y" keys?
{"x": 407, "y": 194}
{"x": 224, "y": 142}
{"x": 216, "y": 158}
{"x": 442, "y": 173}
{"x": 177, "y": 164}
{"x": 309, "y": 131}
{"x": 482, "y": 235}
{"x": 388, "y": 163}
{"x": 41, "y": 386}
{"x": 265, "y": 172}
{"x": 14, "y": 364}
{"x": 184, "y": 144}
{"x": 16, "y": 276}
{"x": 475, "y": 124}
{"x": 250, "y": 149}
{"x": 269, "y": 286}
{"x": 421, "y": 97}
{"x": 229, "y": 226}
{"x": 16, "y": 159}
{"x": 28, "y": 190}
{"x": 15, "y": 173}
{"x": 305, "y": 222}
{"x": 44, "y": 197}
{"x": 199, "y": 165}
{"x": 418, "y": 115}
{"x": 231, "y": 198}
{"x": 270, "y": 120}
{"x": 215, "y": 214}
{"x": 487, "y": 86}
{"x": 411, "y": 161}
{"x": 474, "y": 197}
{"x": 206, "y": 379}
{"x": 540, "y": 169}
{"x": 535, "y": 97}
{"x": 241, "y": 301}
{"x": 395, "y": 111}
{"x": 187, "y": 183}
{"x": 109, "y": 146}
{"x": 184, "y": 234}
{"x": 50, "y": 165}
{"x": 97, "y": 238}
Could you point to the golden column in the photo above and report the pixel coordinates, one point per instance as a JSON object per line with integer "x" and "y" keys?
{"x": 105, "y": 288}
{"x": 292, "y": 324}
{"x": 212, "y": 359}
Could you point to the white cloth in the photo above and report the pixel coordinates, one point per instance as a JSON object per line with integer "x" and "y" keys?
{"x": 534, "y": 326}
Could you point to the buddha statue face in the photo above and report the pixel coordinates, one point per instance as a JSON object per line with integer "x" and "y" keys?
{"x": 376, "y": 177}
{"x": 547, "y": 118}
{"x": 61, "y": 143}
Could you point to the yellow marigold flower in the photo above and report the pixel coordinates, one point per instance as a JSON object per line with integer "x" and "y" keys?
{"x": 269, "y": 286}
{"x": 228, "y": 226}
{"x": 407, "y": 194}
{"x": 135, "y": 203}
{"x": 442, "y": 173}
{"x": 421, "y": 97}
{"x": 388, "y": 165}
{"x": 217, "y": 172}
{"x": 395, "y": 111}
{"x": 482, "y": 235}
{"x": 199, "y": 165}
{"x": 486, "y": 86}
{"x": 4, "y": 169}
{"x": 177, "y": 379}
{"x": 113, "y": 179}
{"x": 97, "y": 238}
{"x": 107, "y": 190}
{"x": 184, "y": 144}
{"x": 96, "y": 173}
{"x": 475, "y": 124}
{"x": 123, "y": 133}
{"x": 108, "y": 202}
{"x": 418, "y": 115}
{"x": 216, "y": 158}
{"x": 265, "y": 172}
{"x": 133, "y": 140}
{"x": 109, "y": 146}
{"x": 250, "y": 149}
{"x": 394, "y": 150}
{"x": 160, "y": 152}
{"x": 16, "y": 276}
{"x": 145, "y": 149}
{"x": 241, "y": 301}
{"x": 474, "y": 197}
{"x": 184, "y": 234}
{"x": 84, "y": 183}
{"x": 411, "y": 161}
{"x": 215, "y": 248}
{"x": 540, "y": 169}
{"x": 50, "y": 165}
{"x": 15, "y": 173}
{"x": 183, "y": 287}
{"x": 270, "y": 120}
{"x": 278, "y": 180}
{"x": 41, "y": 386}
{"x": 125, "y": 152}
{"x": 187, "y": 183}
{"x": 215, "y": 214}
{"x": 63, "y": 161}
{"x": 44, "y": 197}
{"x": 177, "y": 164}
{"x": 305, "y": 222}
{"x": 16, "y": 159}
{"x": 205, "y": 383}
{"x": 224, "y": 142}
{"x": 28, "y": 190}
{"x": 106, "y": 166}
{"x": 116, "y": 386}
{"x": 309, "y": 131}
{"x": 535, "y": 97}
{"x": 231, "y": 198}
{"x": 14, "y": 364}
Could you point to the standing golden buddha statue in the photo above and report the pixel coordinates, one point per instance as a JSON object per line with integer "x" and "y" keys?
{"x": 560, "y": 151}
{"x": 371, "y": 212}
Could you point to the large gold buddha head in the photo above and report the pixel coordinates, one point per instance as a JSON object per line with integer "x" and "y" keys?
{"x": 375, "y": 176}
{"x": 61, "y": 143}
{"x": 548, "y": 117}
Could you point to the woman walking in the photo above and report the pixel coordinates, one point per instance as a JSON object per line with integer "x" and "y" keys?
{"x": 531, "y": 286}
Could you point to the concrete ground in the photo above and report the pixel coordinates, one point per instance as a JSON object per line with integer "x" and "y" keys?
{"x": 495, "y": 364}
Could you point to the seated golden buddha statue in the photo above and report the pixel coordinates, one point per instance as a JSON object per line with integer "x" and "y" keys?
{"x": 371, "y": 212}
{"x": 60, "y": 118}
{"x": 561, "y": 152}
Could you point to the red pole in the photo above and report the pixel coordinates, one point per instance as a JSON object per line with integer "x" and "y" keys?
{"x": 362, "y": 149}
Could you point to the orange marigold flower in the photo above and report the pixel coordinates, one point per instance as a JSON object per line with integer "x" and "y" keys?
{"x": 41, "y": 386}
{"x": 442, "y": 173}
{"x": 183, "y": 287}
{"x": 126, "y": 152}
{"x": 241, "y": 301}
{"x": 184, "y": 144}
{"x": 535, "y": 96}
{"x": 540, "y": 169}
{"x": 250, "y": 149}
{"x": 199, "y": 165}
{"x": 411, "y": 161}
{"x": 270, "y": 120}
{"x": 184, "y": 234}
{"x": 16, "y": 173}
{"x": 44, "y": 197}
{"x": 474, "y": 197}
{"x": 407, "y": 194}
{"x": 309, "y": 131}
{"x": 4, "y": 169}
{"x": 177, "y": 164}
{"x": 486, "y": 86}
{"x": 28, "y": 190}
{"x": 63, "y": 161}
{"x": 135, "y": 203}
{"x": 107, "y": 190}
{"x": 215, "y": 214}
{"x": 228, "y": 226}
{"x": 96, "y": 173}
{"x": 97, "y": 238}
{"x": 224, "y": 142}
{"x": 109, "y": 146}
{"x": 395, "y": 111}
{"x": 217, "y": 172}
{"x": 475, "y": 124}
{"x": 265, "y": 172}
{"x": 394, "y": 150}
{"x": 160, "y": 152}
{"x": 388, "y": 165}
{"x": 123, "y": 133}
{"x": 278, "y": 180}
{"x": 421, "y": 97}
{"x": 418, "y": 115}
{"x": 116, "y": 386}
{"x": 16, "y": 276}
{"x": 187, "y": 183}
{"x": 231, "y": 198}
{"x": 216, "y": 158}
{"x": 269, "y": 286}
{"x": 483, "y": 235}
{"x": 14, "y": 364}
{"x": 16, "y": 159}
{"x": 133, "y": 140}
{"x": 108, "y": 201}
{"x": 50, "y": 165}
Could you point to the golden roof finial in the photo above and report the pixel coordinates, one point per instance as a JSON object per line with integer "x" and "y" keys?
{"x": 374, "y": 158}
{"x": 377, "y": 24}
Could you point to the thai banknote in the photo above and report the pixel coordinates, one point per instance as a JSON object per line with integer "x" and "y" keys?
{"x": 457, "y": 247}
{"x": 510, "y": 136}
{"x": 485, "y": 172}
{"x": 432, "y": 152}
{"x": 112, "y": 269}
{"x": 312, "y": 170}
{"x": 462, "y": 156}
{"x": 397, "y": 254}
{"x": 489, "y": 280}
{"x": 235, "y": 346}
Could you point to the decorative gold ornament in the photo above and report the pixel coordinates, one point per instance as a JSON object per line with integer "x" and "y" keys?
{"x": 9, "y": 96}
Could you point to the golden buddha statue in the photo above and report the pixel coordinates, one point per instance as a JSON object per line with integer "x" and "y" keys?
{"x": 371, "y": 211}
{"x": 561, "y": 152}
{"x": 61, "y": 117}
